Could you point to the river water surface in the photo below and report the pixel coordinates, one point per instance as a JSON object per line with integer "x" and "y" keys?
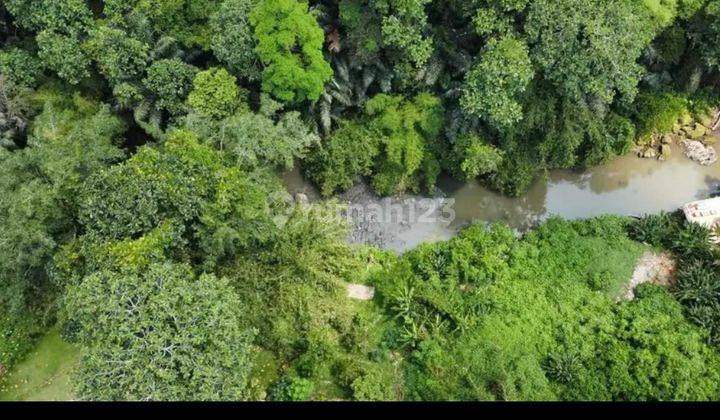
{"x": 625, "y": 186}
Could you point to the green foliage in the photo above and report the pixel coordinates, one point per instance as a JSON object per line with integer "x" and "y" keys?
{"x": 20, "y": 67}
{"x": 70, "y": 139}
{"x": 289, "y": 43}
{"x": 232, "y": 40}
{"x": 697, "y": 276}
{"x": 181, "y": 181}
{"x": 292, "y": 389}
{"x": 516, "y": 172}
{"x": 487, "y": 316}
{"x": 19, "y": 73}
{"x": 67, "y": 15}
{"x": 159, "y": 334}
{"x": 64, "y": 55}
{"x": 577, "y": 45}
{"x": 170, "y": 80}
{"x": 363, "y": 29}
{"x": 403, "y": 27}
{"x": 502, "y": 72}
{"x": 406, "y": 129}
{"x": 267, "y": 138}
{"x": 476, "y": 156}
{"x": 215, "y": 93}
{"x": 671, "y": 45}
{"x": 711, "y": 38}
{"x": 343, "y": 157}
{"x": 187, "y": 272}
{"x": 656, "y": 112}
{"x": 60, "y": 25}
{"x": 185, "y": 20}
{"x": 119, "y": 57}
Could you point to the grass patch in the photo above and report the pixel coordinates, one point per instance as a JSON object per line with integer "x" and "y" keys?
{"x": 44, "y": 375}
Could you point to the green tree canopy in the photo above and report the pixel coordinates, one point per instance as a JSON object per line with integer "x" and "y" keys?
{"x": 289, "y": 43}
{"x": 215, "y": 93}
{"x": 159, "y": 334}
{"x": 501, "y": 74}
{"x": 233, "y": 41}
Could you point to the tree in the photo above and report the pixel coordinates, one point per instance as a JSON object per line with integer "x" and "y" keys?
{"x": 63, "y": 54}
{"x": 476, "y": 157}
{"x": 61, "y": 26}
{"x": 492, "y": 86}
{"x": 70, "y": 16}
{"x": 233, "y": 41}
{"x": 222, "y": 209}
{"x": 70, "y": 139}
{"x": 184, "y": 20}
{"x": 170, "y": 81}
{"x": 406, "y": 130}
{"x": 215, "y": 93}
{"x": 577, "y": 46}
{"x": 346, "y": 155}
{"x": 403, "y": 28}
{"x": 267, "y": 138}
{"x": 289, "y": 43}
{"x": 159, "y": 334}
{"x": 19, "y": 73}
{"x": 20, "y": 67}
{"x": 119, "y": 56}
{"x": 706, "y": 34}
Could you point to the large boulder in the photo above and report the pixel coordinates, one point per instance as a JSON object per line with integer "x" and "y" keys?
{"x": 704, "y": 155}
{"x": 648, "y": 153}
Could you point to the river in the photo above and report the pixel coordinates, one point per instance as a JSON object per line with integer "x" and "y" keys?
{"x": 625, "y": 186}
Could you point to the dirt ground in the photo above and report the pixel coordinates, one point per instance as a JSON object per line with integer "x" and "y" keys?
{"x": 652, "y": 267}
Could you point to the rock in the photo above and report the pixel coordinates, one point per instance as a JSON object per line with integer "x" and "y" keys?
{"x": 699, "y": 131}
{"x": 649, "y": 153}
{"x": 676, "y": 128}
{"x": 686, "y": 119}
{"x": 665, "y": 151}
{"x": 301, "y": 199}
{"x": 666, "y": 139}
{"x": 695, "y": 150}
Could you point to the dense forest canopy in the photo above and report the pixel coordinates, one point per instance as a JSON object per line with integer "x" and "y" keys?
{"x": 141, "y": 207}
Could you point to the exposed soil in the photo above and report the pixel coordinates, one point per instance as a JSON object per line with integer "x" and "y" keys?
{"x": 652, "y": 268}
{"x": 360, "y": 292}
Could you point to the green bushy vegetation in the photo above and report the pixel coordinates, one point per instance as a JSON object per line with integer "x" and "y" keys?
{"x": 488, "y": 316}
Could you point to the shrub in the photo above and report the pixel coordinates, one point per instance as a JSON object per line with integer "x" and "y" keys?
{"x": 657, "y": 112}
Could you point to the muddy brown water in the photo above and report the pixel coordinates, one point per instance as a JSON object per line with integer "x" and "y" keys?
{"x": 625, "y": 186}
